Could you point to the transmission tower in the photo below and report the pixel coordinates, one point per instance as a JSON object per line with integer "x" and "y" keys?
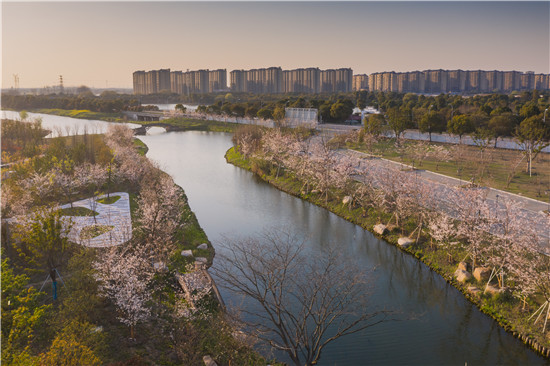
{"x": 61, "y": 88}
{"x": 16, "y": 81}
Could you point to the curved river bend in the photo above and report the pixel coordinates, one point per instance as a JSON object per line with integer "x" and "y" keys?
{"x": 231, "y": 201}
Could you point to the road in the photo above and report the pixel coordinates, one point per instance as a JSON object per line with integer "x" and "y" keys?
{"x": 440, "y": 187}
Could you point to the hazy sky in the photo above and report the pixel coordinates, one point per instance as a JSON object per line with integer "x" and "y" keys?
{"x": 102, "y": 43}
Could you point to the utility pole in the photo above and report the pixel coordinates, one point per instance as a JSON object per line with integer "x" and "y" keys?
{"x": 16, "y": 81}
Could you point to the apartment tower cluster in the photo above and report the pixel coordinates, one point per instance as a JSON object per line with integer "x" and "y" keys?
{"x": 457, "y": 81}
{"x": 189, "y": 82}
{"x": 274, "y": 80}
{"x": 267, "y": 80}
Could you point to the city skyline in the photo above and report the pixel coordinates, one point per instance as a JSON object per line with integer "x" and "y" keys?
{"x": 101, "y": 44}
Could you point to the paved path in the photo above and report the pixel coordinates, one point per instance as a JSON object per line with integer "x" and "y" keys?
{"x": 439, "y": 185}
{"x": 502, "y": 143}
{"x": 116, "y": 214}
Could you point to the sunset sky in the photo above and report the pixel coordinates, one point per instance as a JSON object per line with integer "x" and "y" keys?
{"x": 100, "y": 44}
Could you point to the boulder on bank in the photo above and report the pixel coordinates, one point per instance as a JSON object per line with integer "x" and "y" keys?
{"x": 463, "y": 266}
{"x": 160, "y": 267}
{"x": 462, "y": 275}
{"x": 492, "y": 290}
{"x": 203, "y": 246}
{"x": 380, "y": 229}
{"x": 202, "y": 260}
{"x": 482, "y": 273}
{"x": 208, "y": 361}
{"x": 346, "y": 200}
{"x": 474, "y": 290}
{"x": 405, "y": 241}
{"x": 187, "y": 253}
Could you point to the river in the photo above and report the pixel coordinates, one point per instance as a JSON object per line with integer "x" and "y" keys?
{"x": 64, "y": 126}
{"x": 446, "y": 329}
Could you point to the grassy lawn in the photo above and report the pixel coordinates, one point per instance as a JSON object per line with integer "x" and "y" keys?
{"x": 92, "y": 231}
{"x": 78, "y": 211}
{"x": 140, "y": 147}
{"x": 500, "y": 168}
{"x": 188, "y": 124}
{"x": 82, "y": 114}
{"x": 108, "y": 200}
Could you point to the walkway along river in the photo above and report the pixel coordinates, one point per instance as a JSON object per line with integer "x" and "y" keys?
{"x": 230, "y": 201}
{"x": 227, "y": 200}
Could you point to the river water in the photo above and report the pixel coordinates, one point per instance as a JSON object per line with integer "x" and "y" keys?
{"x": 64, "y": 126}
{"x": 445, "y": 330}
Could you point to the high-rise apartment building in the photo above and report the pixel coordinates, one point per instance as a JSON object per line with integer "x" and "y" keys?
{"x": 139, "y": 82}
{"x": 176, "y": 82}
{"x": 302, "y": 80}
{"x": 217, "y": 80}
{"x": 360, "y": 82}
{"x": 237, "y": 80}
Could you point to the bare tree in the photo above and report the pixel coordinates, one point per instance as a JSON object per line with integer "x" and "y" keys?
{"x": 300, "y": 304}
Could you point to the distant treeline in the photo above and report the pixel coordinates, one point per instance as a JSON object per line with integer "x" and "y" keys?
{"x": 107, "y": 102}
{"x": 498, "y": 113}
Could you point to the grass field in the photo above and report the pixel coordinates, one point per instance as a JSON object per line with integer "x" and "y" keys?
{"x": 82, "y": 114}
{"x": 497, "y": 168}
{"x": 188, "y": 124}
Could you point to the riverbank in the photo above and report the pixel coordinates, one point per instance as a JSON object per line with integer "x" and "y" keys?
{"x": 82, "y": 114}
{"x": 505, "y": 309}
{"x": 192, "y": 124}
{"x": 175, "y": 123}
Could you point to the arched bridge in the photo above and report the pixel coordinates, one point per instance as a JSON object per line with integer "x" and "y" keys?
{"x": 143, "y": 129}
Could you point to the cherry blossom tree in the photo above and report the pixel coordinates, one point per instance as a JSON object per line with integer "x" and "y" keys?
{"x": 530, "y": 265}
{"x": 472, "y": 212}
{"x": 507, "y": 225}
{"x": 276, "y": 146}
{"x": 443, "y": 230}
{"x": 124, "y": 275}
{"x": 159, "y": 212}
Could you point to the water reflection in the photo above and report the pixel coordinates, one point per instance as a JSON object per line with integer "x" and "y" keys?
{"x": 229, "y": 200}
{"x": 66, "y": 126}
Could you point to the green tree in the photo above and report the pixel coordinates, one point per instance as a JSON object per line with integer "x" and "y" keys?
{"x": 433, "y": 121}
{"x": 341, "y": 110}
{"x": 251, "y": 111}
{"x": 374, "y": 124}
{"x": 460, "y": 125}
{"x": 279, "y": 113}
{"x": 265, "y": 113}
{"x": 43, "y": 243}
{"x": 78, "y": 344}
{"x": 324, "y": 111}
{"x": 23, "y": 115}
{"x": 180, "y": 107}
{"x": 532, "y": 136}
{"x": 238, "y": 110}
{"x": 502, "y": 125}
{"x": 22, "y": 317}
{"x": 529, "y": 109}
{"x": 398, "y": 121}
